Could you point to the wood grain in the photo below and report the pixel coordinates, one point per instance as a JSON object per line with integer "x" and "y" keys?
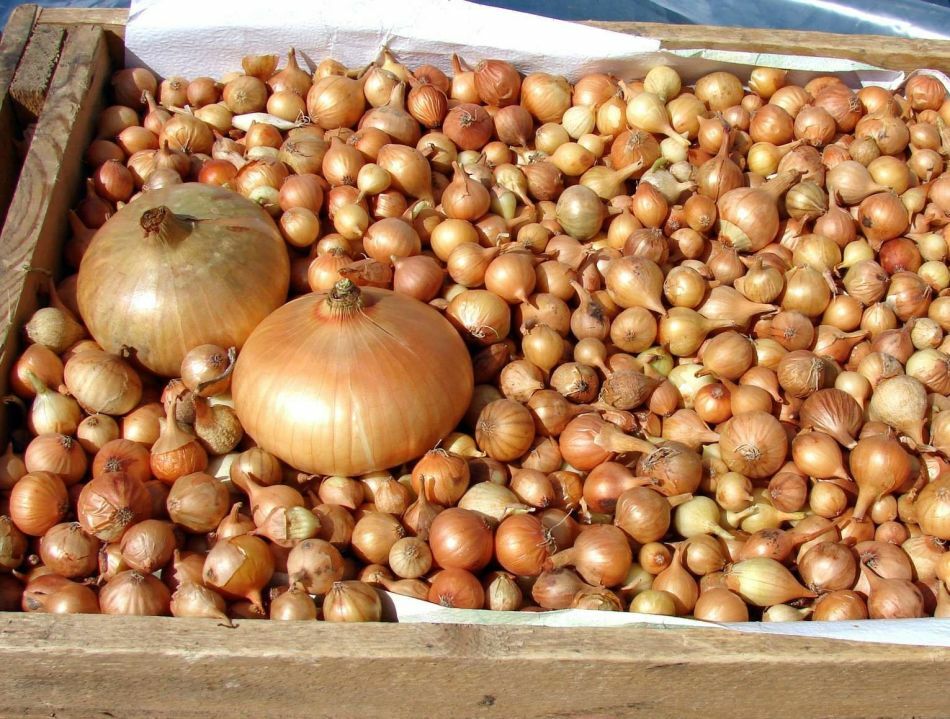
{"x": 15, "y": 37}
{"x": 184, "y": 668}
{"x": 111, "y": 21}
{"x": 888, "y": 52}
{"x": 103, "y": 17}
{"x": 36, "y": 223}
{"x": 35, "y": 72}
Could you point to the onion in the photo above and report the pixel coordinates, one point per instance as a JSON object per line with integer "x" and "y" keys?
{"x": 841, "y": 605}
{"x": 102, "y": 382}
{"x": 461, "y": 539}
{"x": 167, "y": 246}
{"x": 336, "y": 101}
{"x": 931, "y": 508}
{"x": 879, "y": 466}
{"x": 764, "y": 582}
{"x": 505, "y": 430}
{"x": 753, "y": 444}
{"x": 132, "y": 593}
{"x": 109, "y": 504}
{"x": 834, "y": 412}
{"x": 901, "y": 402}
{"x": 601, "y": 555}
{"x": 239, "y": 567}
{"x": 350, "y": 326}
{"x": 457, "y": 588}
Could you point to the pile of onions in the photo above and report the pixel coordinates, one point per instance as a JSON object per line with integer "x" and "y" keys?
{"x": 664, "y": 345}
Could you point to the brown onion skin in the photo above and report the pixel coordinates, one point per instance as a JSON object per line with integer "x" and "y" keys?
{"x": 522, "y": 545}
{"x": 461, "y": 539}
{"x": 457, "y": 588}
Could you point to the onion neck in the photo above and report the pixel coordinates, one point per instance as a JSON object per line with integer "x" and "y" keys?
{"x": 613, "y": 439}
{"x": 163, "y": 225}
{"x": 344, "y": 297}
{"x": 564, "y": 558}
{"x": 781, "y": 183}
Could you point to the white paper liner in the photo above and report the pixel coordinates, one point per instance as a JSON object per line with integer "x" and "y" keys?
{"x": 209, "y": 37}
{"x": 918, "y": 632}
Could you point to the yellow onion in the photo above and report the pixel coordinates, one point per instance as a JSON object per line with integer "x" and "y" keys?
{"x": 764, "y": 582}
{"x": 547, "y": 97}
{"x": 753, "y": 444}
{"x": 580, "y": 212}
{"x": 336, "y": 101}
{"x": 392, "y": 353}
{"x": 146, "y": 280}
{"x": 748, "y": 218}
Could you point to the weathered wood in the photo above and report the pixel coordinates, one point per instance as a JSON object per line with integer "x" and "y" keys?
{"x": 889, "y": 52}
{"x": 35, "y": 72}
{"x": 105, "y": 18}
{"x": 111, "y": 21}
{"x": 36, "y": 224}
{"x": 16, "y": 35}
{"x": 183, "y": 668}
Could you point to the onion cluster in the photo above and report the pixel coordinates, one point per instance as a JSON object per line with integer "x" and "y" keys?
{"x": 687, "y": 343}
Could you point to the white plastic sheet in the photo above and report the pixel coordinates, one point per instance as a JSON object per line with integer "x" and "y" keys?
{"x": 185, "y": 37}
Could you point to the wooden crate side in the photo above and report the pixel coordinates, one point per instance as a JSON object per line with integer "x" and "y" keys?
{"x": 32, "y": 236}
{"x": 889, "y": 52}
{"x": 35, "y": 72}
{"x": 186, "y": 668}
{"x": 16, "y": 35}
{"x": 111, "y": 20}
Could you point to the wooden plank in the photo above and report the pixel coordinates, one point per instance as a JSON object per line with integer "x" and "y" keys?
{"x": 111, "y": 20}
{"x": 107, "y": 18}
{"x": 183, "y": 668}
{"x": 888, "y": 52}
{"x": 16, "y": 34}
{"x": 35, "y": 72}
{"x": 49, "y": 182}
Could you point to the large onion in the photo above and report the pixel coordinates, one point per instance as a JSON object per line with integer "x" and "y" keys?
{"x": 180, "y": 267}
{"x": 352, "y": 381}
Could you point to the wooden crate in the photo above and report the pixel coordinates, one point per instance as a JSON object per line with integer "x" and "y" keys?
{"x": 162, "y": 667}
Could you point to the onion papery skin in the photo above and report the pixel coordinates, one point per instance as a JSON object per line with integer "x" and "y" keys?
{"x": 209, "y": 281}
{"x": 352, "y": 381}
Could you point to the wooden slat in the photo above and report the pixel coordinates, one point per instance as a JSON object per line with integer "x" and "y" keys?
{"x": 35, "y": 72}
{"x": 184, "y": 668}
{"x": 16, "y": 34}
{"x": 49, "y": 182}
{"x": 888, "y": 52}
{"x": 107, "y": 18}
{"x": 112, "y": 22}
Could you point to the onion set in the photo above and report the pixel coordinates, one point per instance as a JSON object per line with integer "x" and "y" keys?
{"x": 665, "y": 344}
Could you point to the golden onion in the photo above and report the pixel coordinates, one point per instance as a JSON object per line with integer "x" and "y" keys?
{"x": 181, "y": 267}
{"x": 352, "y": 381}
